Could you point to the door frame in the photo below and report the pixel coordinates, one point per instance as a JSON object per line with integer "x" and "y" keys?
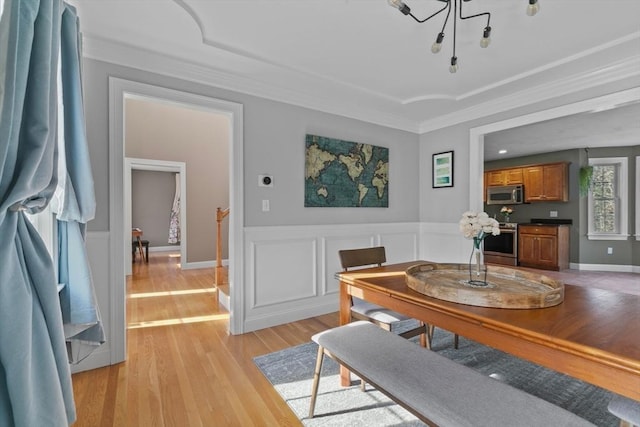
{"x": 180, "y": 168}
{"x": 120, "y": 242}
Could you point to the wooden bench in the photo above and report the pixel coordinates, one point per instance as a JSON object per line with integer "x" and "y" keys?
{"x": 435, "y": 389}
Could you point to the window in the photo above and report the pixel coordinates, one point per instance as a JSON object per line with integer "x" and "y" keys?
{"x": 44, "y": 222}
{"x": 608, "y": 199}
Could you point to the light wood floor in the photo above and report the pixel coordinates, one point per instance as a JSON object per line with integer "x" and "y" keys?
{"x": 184, "y": 369}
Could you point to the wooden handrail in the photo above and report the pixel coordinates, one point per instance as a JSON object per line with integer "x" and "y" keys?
{"x": 220, "y": 215}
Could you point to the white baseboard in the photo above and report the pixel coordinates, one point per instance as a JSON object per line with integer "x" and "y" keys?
{"x": 203, "y": 264}
{"x": 616, "y": 268}
{"x": 224, "y": 300}
{"x": 175, "y": 248}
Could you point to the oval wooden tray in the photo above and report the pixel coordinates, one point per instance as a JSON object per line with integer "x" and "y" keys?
{"x": 507, "y": 287}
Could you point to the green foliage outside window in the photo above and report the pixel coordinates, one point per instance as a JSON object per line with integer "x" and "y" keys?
{"x": 604, "y": 190}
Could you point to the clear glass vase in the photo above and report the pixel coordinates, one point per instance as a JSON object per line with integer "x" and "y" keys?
{"x": 477, "y": 274}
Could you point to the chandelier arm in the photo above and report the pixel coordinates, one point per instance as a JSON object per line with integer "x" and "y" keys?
{"x": 420, "y": 21}
{"x": 476, "y": 15}
{"x": 455, "y": 22}
{"x": 444, "y": 24}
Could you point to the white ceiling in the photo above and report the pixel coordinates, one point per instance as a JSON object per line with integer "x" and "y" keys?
{"x": 614, "y": 127}
{"x": 364, "y": 59}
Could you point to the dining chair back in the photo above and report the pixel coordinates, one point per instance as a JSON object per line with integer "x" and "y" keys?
{"x": 381, "y": 316}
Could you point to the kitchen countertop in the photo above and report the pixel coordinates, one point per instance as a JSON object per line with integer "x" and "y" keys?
{"x": 550, "y": 221}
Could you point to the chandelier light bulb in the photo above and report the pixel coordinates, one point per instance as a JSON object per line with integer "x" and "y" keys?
{"x": 399, "y": 4}
{"x": 486, "y": 39}
{"x": 437, "y": 45}
{"x": 454, "y": 65}
{"x": 533, "y": 7}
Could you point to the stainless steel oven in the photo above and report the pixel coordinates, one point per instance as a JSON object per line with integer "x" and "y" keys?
{"x": 503, "y": 248}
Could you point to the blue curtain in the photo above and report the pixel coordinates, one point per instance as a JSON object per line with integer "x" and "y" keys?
{"x": 75, "y": 205}
{"x": 35, "y": 379}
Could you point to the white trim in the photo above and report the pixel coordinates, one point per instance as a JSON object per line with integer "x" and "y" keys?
{"x": 623, "y": 195}
{"x": 476, "y": 135}
{"x": 637, "y": 229}
{"x": 624, "y": 69}
{"x": 198, "y": 264}
{"x": 157, "y": 62}
{"x": 617, "y": 268}
{"x": 46, "y": 226}
{"x": 158, "y": 166}
{"x": 118, "y": 88}
{"x": 174, "y": 248}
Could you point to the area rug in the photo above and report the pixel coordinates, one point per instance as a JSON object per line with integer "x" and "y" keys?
{"x": 291, "y": 373}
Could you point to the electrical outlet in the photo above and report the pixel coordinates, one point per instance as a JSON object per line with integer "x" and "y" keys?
{"x": 553, "y": 214}
{"x": 609, "y": 251}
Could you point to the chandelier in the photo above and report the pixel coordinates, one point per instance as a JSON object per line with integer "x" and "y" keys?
{"x": 532, "y": 9}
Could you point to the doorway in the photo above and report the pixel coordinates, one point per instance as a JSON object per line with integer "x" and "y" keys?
{"x": 180, "y": 168}
{"x": 119, "y": 91}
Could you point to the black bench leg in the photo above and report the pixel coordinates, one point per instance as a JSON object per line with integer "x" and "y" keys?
{"x": 316, "y": 380}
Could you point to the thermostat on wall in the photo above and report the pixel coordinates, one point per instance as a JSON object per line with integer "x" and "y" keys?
{"x": 265, "y": 181}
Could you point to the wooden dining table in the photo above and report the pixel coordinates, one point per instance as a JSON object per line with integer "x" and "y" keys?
{"x": 593, "y": 335}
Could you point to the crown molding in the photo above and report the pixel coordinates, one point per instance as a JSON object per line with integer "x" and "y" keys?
{"x": 159, "y": 63}
{"x": 154, "y": 62}
{"x": 626, "y": 68}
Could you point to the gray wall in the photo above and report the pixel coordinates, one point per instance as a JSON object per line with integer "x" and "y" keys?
{"x": 152, "y": 196}
{"x": 274, "y": 143}
{"x": 199, "y": 139}
{"x": 456, "y": 200}
{"x": 444, "y": 205}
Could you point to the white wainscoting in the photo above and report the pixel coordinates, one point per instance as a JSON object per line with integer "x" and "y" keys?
{"x": 443, "y": 242}
{"x": 290, "y": 270}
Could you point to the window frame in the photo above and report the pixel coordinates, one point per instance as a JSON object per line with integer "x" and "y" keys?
{"x": 623, "y": 196}
{"x": 637, "y": 185}
{"x": 45, "y": 224}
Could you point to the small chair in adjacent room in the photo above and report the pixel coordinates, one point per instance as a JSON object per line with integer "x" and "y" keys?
{"x": 137, "y": 246}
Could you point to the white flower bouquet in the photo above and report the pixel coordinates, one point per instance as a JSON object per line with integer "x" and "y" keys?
{"x": 478, "y": 226}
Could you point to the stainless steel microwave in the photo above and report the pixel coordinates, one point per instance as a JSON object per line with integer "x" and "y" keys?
{"x": 505, "y": 195}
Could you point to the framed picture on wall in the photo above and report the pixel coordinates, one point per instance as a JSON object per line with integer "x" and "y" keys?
{"x": 442, "y": 170}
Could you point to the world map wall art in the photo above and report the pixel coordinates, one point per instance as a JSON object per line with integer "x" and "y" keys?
{"x": 345, "y": 174}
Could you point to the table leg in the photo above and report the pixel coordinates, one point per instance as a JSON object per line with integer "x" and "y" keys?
{"x": 345, "y": 317}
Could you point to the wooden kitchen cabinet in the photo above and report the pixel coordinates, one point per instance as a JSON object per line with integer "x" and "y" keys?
{"x": 546, "y": 183}
{"x": 504, "y": 176}
{"x": 484, "y": 187}
{"x": 543, "y": 246}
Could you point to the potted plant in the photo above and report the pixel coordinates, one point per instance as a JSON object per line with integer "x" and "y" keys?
{"x": 584, "y": 179}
